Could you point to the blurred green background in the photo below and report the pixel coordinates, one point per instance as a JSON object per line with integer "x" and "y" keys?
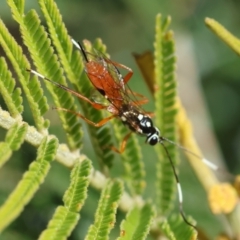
{"x": 208, "y": 78}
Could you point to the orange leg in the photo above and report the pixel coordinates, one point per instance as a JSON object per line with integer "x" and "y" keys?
{"x": 99, "y": 124}
{"x": 123, "y": 144}
{"x": 141, "y": 102}
{"x": 127, "y": 77}
{"x": 95, "y": 105}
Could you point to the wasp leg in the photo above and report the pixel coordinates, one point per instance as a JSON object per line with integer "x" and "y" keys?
{"x": 123, "y": 144}
{"x": 99, "y": 124}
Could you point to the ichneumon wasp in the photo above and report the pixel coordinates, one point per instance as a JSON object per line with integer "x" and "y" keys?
{"x": 106, "y": 78}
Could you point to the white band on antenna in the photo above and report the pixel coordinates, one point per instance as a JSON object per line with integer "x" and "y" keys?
{"x": 75, "y": 43}
{"x": 179, "y": 193}
{"x": 210, "y": 164}
{"x": 36, "y": 73}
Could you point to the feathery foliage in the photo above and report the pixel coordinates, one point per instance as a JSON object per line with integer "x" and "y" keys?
{"x": 5, "y": 152}
{"x": 134, "y": 166}
{"x": 70, "y": 59}
{"x": 164, "y": 61}
{"x": 28, "y": 185}
{"x": 137, "y": 223}
{"x": 19, "y": 62}
{"x": 13, "y": 141}
{"x": 15, "y": 136}
{"x": 12, "y": 97}
{"x": 55, "y": 57}
{"x": 106, "y": 211}
{"x": 77, "y": 192}
{"x": 38, "y": 43}
{"x": 66, "y": 217}
{"x": 173, "y": 228}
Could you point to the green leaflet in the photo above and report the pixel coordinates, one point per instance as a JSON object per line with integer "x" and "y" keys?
{"x": 106, "y": 211}
{"x": 66, "y": 217}
{"x": 164, "y": 61}
{"x": 13, "y": 141}
{"x": 16, "y": 135}
{"x": 61, "y": 225}
{"x": 77, "y": 191}
{"x": 165, "y": 100}
{"x": 20, "y": 63}
{"x": 29, "y": 184}
{"x": 5, "y": 152}
{"x": 176, "y": 229}
{"x": 131, "y": 159}
{"x": 17, "y": 8}
{"x": 33, "y": 137}
{"x": 137, "y": 223}
{"x": 11, "y": 96}
{"x": 70, "y": 59}
{"x": 36, "y": 39}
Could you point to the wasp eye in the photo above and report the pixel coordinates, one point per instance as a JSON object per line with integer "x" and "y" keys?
{"x": 153, "y": 139}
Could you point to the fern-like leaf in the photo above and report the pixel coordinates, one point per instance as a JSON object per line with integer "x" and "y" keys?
{"x": 16, "y": 135}
{"x": 131, "y": 159}
{"x": 137, "y": 223}
{"x": 106, "y": 211}
{"x": 11, "y": 96}
{"x": 31, "y": 88}
{"x": 165, "y": 112}
{"x": 5, "y": 152}
{"x": 77, "y": 191}
{"x": 176, "y": 229}
{"x": 36, "y": 39}
{"x": 14, "y": 139}
{"x": 17, "y": 8}
{"x": 61, "y": 225}
{"x": 65, "y": 217}
{"x": 70, "y": 59}
{"x": 29, "y": 184}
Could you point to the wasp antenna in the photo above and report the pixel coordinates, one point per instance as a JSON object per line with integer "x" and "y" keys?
{"x": 204, "y": 160}
{"x": 75, "y": 43}
{"x": 83, "y": 52}
{"x": 35, "y": 73}
{"x": 179, "y": 188}
{"x": 79, "y": 46}
{"x": 47, "y": 79}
